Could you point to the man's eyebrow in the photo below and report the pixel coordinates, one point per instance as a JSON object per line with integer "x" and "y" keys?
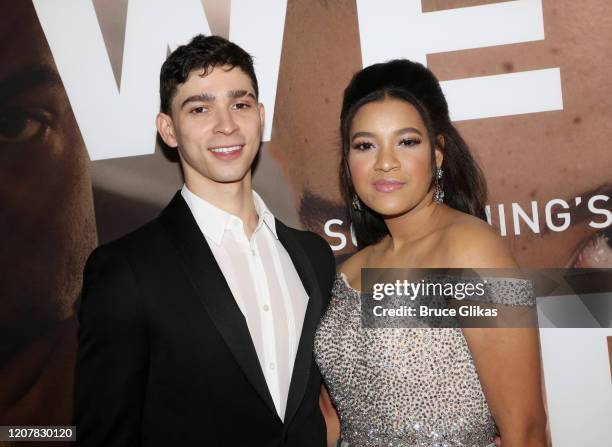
{"x": 203, "y": 97}
{"x": 235, "y": 94}
{"x": 26, "y": 79}
{"x": 208, "y": 97}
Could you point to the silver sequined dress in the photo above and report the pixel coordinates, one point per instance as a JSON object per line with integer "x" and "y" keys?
{"x": 402, "y": 386}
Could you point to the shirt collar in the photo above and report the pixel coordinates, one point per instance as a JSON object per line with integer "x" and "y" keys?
{"x": 264, "y": 214}
{"x": 213, "y": 221}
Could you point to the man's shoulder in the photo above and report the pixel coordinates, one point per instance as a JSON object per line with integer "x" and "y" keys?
{"x": 140, "y": 238}
{"x": 138, "y": 243}
{"x": 149, "y": 235}
{"x": 309, "y": 240}
{"x": 318, "y": 251}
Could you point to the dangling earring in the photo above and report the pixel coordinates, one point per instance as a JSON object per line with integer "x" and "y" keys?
{"x": 438, "y": 191}
{"x": 356, "y": 203}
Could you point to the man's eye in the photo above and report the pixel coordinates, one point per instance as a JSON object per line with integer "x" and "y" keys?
{"x": 17, "y": 126}
{"x": 597, "y": 253}
{"x": 200, "y": 109}
{"x": 241, "y": 105}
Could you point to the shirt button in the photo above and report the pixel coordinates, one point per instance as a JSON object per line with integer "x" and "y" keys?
{"x": 266, "y": 307}
{"x": 272, "y": 366}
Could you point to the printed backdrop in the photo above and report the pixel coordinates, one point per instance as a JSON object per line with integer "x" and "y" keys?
{"x": 528, "y": 84}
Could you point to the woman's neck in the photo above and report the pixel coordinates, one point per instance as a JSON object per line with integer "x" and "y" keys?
{"x": 415, "y": 224}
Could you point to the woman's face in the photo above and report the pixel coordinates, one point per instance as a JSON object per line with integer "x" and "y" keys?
{"x": 390, "y": 157}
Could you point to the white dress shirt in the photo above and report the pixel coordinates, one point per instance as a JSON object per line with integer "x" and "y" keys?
{"x": 265, "y": 285}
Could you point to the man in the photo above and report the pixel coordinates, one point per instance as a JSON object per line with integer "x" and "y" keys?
{"x": 47, "y": 225}
{"x": 197, "y": 329}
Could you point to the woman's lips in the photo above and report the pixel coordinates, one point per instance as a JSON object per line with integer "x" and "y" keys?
{"x": 388, "y": 185}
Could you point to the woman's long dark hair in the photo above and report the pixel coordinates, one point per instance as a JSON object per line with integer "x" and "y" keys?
{"x": 463, "y": 183}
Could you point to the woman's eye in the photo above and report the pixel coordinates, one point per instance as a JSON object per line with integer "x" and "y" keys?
{"x": 18, "y": 126}
{"x": 597, "y": 253}
{"x": 363, "y": 146}
{"x": 409, "y": 142}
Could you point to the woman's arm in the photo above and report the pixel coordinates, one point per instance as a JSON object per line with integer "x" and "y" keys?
{"x": 331, "y": 417}
{"x": 507, "y": 359}
{"x": 508, "y": 365}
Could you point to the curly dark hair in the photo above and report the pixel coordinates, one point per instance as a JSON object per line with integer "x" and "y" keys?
{"x": 201, "y": 53}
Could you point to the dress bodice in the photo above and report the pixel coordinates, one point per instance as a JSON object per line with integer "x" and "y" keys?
{"x": 400, "y": 386}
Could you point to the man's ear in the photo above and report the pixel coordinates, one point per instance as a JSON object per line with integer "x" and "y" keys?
{"x": 439, "y": 151}
{"x": 262, "y": 117}
{"x": 166, "y": 129}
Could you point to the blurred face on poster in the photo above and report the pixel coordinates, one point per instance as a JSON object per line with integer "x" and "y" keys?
{"x": 47, "y": 221}
{"x": 553, "y": 158}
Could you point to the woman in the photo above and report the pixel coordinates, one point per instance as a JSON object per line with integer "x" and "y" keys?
{"x": 416, "y": 199}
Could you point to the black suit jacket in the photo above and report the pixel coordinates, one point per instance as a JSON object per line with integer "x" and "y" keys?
{"x": 165, "y": 357}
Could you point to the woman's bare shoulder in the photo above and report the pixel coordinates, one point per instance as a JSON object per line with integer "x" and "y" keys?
{"x": 351, "y": 267}
{"x": 472, "y": 242}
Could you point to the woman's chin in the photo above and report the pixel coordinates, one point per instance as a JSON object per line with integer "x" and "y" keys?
{"x": 391, "y": 211}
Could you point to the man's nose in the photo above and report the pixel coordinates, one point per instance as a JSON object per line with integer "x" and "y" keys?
{"x": 225, "y": 122}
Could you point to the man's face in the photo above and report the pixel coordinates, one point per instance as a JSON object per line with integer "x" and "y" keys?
{"x": 541, "y": 156}
{"x": 216, "y": 123}
{"x": 47, "y": 219}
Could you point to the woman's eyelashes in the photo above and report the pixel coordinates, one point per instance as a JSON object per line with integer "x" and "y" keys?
{"x": 402, "y": 142}
{"x": 362, "y": 145}
{"x": 410, "y": 142}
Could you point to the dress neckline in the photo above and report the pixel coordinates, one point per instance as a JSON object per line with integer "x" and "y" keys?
{"x": 344, "y": 279}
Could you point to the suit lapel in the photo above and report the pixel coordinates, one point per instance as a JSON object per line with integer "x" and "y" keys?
{"x": 304, "y": 356}
{"x": 213, "y": 291}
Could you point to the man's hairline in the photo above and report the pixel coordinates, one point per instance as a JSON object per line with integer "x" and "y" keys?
{"x": 206, "y": 69}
